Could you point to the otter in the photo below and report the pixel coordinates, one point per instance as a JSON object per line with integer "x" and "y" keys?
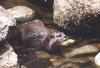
{"x": 35, "y": 34}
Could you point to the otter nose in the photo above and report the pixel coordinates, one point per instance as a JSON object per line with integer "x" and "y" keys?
{"x": 65, "y": 36}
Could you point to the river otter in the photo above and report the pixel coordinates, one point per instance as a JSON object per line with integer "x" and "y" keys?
{"x": 35, "y": 34}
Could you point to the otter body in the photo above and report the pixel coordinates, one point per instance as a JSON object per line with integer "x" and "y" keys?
{"x": 35, "y": 34}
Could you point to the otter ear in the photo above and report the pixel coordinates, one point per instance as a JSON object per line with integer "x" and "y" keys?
{"x": 38, "y": 21}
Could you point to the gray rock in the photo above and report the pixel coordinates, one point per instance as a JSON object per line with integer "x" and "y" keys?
{"x": 22, "y": 13}
{"x": 6, "y": 20}
{"x": 61, "y": 61}
{"x": 97, "y": 59}
{"x": 77, "y": 14}
{"x": 8, "y": 58}
{"x": 74, "y": 10}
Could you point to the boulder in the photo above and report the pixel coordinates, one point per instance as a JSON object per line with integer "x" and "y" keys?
{"x": 6, "y": 20}
{"x": 78, "y": 16}
{"x": 8, "y": 58}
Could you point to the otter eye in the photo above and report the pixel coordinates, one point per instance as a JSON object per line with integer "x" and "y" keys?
{"x": 39, "y": 22}
{"x": 51, "y": 36}
{"x": 59, "y": 35}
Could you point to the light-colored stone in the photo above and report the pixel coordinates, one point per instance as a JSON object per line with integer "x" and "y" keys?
{"x": 97, "y": 59}
{"x": 8, "y": 58}
{"x": 22, "y": 13}
{"x": 6, "y": 20}
{"x": 82, "y": 50}
{"x": 73, "y": 11}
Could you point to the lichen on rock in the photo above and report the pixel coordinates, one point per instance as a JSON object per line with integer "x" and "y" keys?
{"x": 8, "y": 57}
{"x": 6, "y": 20}
{"x": 72, "y": 13}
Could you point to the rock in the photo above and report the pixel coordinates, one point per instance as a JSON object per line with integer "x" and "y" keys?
{"x": 87, "y": 49}
{"x": 22, "y": 13}
{"x": 42, "y": 54}
{"x": 37, "y": 63}
{"x": 12, "y": 3}
{"x": 78, "y": 16}
{"x": 6, "y": 20}
{"x": 29, "y": 55}
{"x": 69, "y": 65}
{"x": 8, "y": 58}
{"x": 62, "y": 62}
{"x": 35, "y": 34}
{"x": 97, "y": 59}
{"x": 39, "y": 10}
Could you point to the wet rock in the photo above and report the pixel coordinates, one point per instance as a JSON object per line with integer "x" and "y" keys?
{"x": 22, "y": 13}
{"x": 97, "y": 59}
{"x": 42, "y": 54}
{"x": 8, "y": 58}
{"x": 27, "y": 55}
{"x": 65, "y": 62}
{"x": 37, "y": 63}
{"x": 6, "y": 20}
{"x": 69, "y": 65}
{"x": 36, "y": 35}
{"x": 87, "y": 49}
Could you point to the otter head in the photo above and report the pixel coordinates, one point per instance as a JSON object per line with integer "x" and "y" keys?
{"x": 55, "y": 40}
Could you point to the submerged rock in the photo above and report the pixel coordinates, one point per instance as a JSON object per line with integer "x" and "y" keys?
{"x": 87, "y": 49}
{"x": 42, "y": 54}
{"x": 22, "y": 13}
{"x": 62, "y": 62}
{"x": 8, "y": 58}
{"x": 37, "y": 63}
